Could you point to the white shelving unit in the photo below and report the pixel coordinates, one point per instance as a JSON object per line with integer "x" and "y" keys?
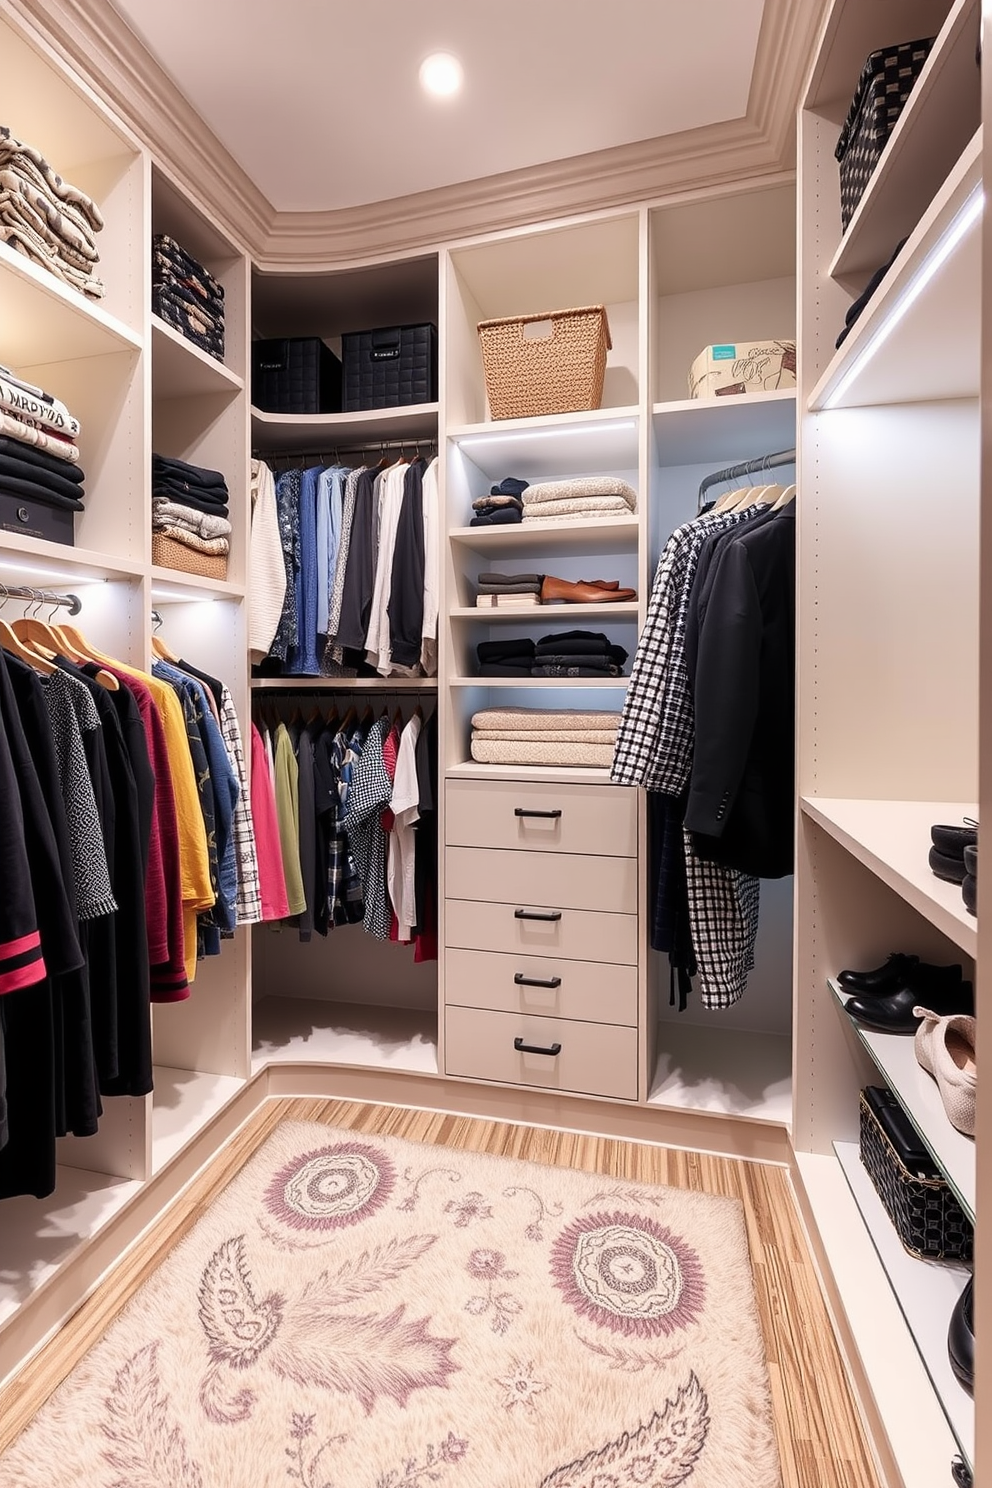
{"x": 725, "y": 430}
{"x": 276, "y": 433}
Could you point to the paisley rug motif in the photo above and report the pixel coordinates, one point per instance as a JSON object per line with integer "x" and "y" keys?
{"x": 366, "y": 1312}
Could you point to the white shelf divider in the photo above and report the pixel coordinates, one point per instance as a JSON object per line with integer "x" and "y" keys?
{"x": 553, "y": 774}
{"x": 172, "y": 585}
{"x": 182, "y": 370}
{"x": 602, "y": 535}
{"x": 287, "y": 1030}
{"x": 553, "y": 613}
{"x": 926, "y": 1292}
{"x": 45, "y": 320}
{"x": 322, "y": 432}
{"x": 747, "y": 1076}
{"x": 917, "y": 1093}
{"x": 695, "y": 430}
{"x": 892, "y": 839}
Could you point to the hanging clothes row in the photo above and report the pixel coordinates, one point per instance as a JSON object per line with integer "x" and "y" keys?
{"x": 708, "y": 728}
{"x": 128, "y": 850}
{"x": 343, "y": 570}
{"x": 352, "y": 802}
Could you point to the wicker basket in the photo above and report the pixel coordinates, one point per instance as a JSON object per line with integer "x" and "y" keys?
{"x": 539, "y": 364}
{"x": 168, "y": 553}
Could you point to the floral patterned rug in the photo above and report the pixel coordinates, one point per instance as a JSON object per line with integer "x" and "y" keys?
{"x": 357, "y": 1312}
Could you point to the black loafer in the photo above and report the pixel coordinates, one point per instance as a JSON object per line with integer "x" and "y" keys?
{"x": 969, "y": 893}
{"x": 952, "y": 841}
{"x": 961, "y": 1339}
{"x": 894, "y": 1013}
{"x": 882, "y": 978}
{"x": 950, "y": 869}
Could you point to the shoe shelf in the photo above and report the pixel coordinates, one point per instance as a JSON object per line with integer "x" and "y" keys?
{"x": 604, "y": 536}
{"x": 182, "y": 370}
{"x": 594, "y": 443}
{"x": 543, "y": 614}
{"x": 926, "y": 1292}
{"x": 699, "y": 430}
{"x": 892, "y": 839}
{"x": 911, "y": 346}
{"x": 916, "y": 1091}
{"x": 322, "y": 432}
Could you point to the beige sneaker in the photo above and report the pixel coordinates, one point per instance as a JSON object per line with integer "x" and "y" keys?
{"x": 945, "y": 1048}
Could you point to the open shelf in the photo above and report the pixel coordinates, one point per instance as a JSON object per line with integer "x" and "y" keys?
{"x": 917, "y": 1093}
{"x": 909, "y": 346}
{"x": 336, "y": 684}
{"x": 558, "y": 536}
{"x": 182, "y": 370}
{"x": 539, "y": 682}
{"x": 543, "y": 448}
{"x": 321, "y": 433}
{"x": 174, "y": 586}
{"x": 44, "y": 320}
{"x": 40, "y": 1235}
{"x": 926, "y": 1292}
{"x": 695, "y": 430}
{"x": 47, "y": 564}
{"x": 556, "y": 612}
{"x": 288, "y": 1030}
{"x": 552, "y": 774}
{"x": 892, "y": 839}
{"x": 183, "y": 1103}
{"x": 744, "y": 1075}
{"x": 940, "y": 116}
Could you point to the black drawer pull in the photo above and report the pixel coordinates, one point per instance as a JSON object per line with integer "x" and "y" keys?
{"x": 520, "y": 980}
{"x": 537, "y": 914}
{"x": 546, "y": 815}
{"x": 523, "y": 1048}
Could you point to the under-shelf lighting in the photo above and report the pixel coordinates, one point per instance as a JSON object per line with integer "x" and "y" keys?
{"x": 51, "y": 575}
{"x": 942, "y": 250}
{"x": 569, "y": 431}
{"x": 181, "y": 596}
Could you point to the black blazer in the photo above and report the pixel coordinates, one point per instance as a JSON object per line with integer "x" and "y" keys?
{"x": 741, "y": 792}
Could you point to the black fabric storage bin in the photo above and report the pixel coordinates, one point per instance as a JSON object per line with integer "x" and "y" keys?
{"x": 389, "y": 368}
{"x": 886, "y": 81}
{"x": 297, "y": 374}
{"x": 37, "y": 519}
{"x": 917, "y": 1198}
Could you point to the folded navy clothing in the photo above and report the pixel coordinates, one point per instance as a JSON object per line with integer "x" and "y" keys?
{"x": 506, "y": 516}
{"x": 525, "y": 588}
{"x": 33, "y": 475}
{"x": 10, "y": 485}
{"x": 166, "y": 275}
{"x": 15, "y": 449}
{"x": 496, "y": 503}
{"x": 511, "y": 486}
{"x": 583, "y": 642}
{"x": 173, "y": 253}
{"x": 490, "y": 576}
{"x": 505, "y": 669}
{"x": 505, "y": 650}
{"x": 196, "y": 475}
{"x": 569, "y": 658}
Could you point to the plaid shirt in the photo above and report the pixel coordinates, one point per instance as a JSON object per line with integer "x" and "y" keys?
{"x": 654, "y": 747}
{"x": 249, "y": 900}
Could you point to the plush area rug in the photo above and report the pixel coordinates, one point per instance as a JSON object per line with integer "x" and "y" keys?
{"x": 357, "y": 1312}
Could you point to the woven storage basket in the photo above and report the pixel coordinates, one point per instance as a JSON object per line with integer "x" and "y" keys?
{"x": 927, "y": 1217}
{"x": 168, "y": 553}
{"x": 557, "y": 366}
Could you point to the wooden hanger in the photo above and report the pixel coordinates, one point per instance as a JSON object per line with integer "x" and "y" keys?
{"x": 47, "y": 642}
{"x": 349, "y": 720}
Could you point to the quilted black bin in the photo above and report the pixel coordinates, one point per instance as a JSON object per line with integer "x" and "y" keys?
{"x": 390, "y": 367}
{"x": 886, "y": 81}
{"x": 297, "y": 374}
{"x": 927, "y": 1217}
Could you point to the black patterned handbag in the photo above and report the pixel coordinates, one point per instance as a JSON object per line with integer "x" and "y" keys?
{"x": 928, "y": 1218}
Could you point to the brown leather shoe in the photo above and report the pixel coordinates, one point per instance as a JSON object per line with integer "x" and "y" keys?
{"x": 601, "y": 583}
{"x": 553, "y": 589}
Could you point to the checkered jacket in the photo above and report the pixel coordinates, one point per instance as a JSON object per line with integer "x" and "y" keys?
{"x": 654, "y": 747}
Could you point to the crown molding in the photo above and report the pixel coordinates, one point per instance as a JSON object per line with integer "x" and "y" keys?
{"x": 102, "y": 49}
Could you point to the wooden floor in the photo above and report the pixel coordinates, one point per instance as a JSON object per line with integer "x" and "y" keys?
{"x": 819, "y": 1432}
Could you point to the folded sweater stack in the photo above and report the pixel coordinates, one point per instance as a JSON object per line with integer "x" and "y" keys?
{"x": 508, "y": 591}
{"x": 45, "y": 218}
{"x": 502, "y": 507}
{"x": 187, "y": 296}
{"x": 586, "y": 496}
{"x": 38, "y": 453}
{"x": 190, "y": 527}
{"x": 568, "y": 653}
{"x": 539, "y": 736}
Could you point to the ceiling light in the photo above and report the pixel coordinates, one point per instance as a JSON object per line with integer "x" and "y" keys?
{"x": 441, "y": 74}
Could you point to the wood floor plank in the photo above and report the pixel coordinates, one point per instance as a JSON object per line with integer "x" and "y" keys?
{"x": 821, "y": 1439}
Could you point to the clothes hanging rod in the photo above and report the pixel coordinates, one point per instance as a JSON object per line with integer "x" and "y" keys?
{"x": 71, "y": 602}
{"x": 747, "y": 467}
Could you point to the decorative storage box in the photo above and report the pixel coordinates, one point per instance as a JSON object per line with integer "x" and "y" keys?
{"x": 886, "y": 81}
{"x": 389, "y": 368}
{"x": 743, "y": 367}
{"x": 928, "y": 1218}
{"x": 36, "y": 519}
{"x": 549, "y": 363}
{"x": 297, "y": 374}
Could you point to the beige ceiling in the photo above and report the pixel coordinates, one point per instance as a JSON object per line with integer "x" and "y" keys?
{"x": 319, "y": 102}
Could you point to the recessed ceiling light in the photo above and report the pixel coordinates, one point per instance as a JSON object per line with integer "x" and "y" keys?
{"x": 441, "y": 74}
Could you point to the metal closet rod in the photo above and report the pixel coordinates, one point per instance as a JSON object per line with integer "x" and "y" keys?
{"x": 71, "y": 602}
{"x": 747, "y": 467}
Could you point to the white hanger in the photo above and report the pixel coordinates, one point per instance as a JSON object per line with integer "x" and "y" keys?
{"x": 788, "y": 495}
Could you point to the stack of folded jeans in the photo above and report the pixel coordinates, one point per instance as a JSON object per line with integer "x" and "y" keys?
{"x": 190, "y": 527}
{"x": 45, "y": 218}
{"x": 539, "y": 736}
{"x": 38, "y": 454}
{"x": 578, "y": 653}
{"x": 186, "y": 296}
{"x": 502, "y": 507}
{"x": 571, "y": 500}
{"x": 514, "y": 591}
